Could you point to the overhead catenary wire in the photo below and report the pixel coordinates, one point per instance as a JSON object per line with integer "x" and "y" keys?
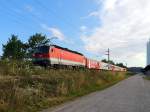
{"x": 50, "y": 11}
{"x": 19, "y": 18}
{"x": 16, "y": 16}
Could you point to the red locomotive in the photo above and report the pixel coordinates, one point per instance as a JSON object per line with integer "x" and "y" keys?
{"x": 56, "y": 56}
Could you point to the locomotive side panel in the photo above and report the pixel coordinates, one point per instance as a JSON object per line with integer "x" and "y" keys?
{"x": 64, "y": 57}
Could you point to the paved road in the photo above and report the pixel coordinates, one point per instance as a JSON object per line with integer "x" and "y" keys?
{"x": 130, "y": 95}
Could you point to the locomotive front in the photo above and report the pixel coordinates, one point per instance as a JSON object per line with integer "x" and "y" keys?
{"x": 41, "y": 56}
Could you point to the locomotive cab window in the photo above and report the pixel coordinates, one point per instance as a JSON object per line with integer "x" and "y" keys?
{"x": 52, "y": 50}
{"x": 42, "y": 49}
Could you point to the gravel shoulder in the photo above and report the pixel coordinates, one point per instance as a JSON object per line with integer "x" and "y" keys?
{"x": 129, "y": 95}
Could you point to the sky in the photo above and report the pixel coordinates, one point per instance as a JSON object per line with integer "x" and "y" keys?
{"x": 86, "y": 26}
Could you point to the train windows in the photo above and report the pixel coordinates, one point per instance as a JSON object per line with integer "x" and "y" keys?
{"x": 52, "y": 50}
{"x": 42, "y": 49}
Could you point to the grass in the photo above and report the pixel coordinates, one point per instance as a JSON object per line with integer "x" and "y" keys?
{"x": 26, "y": 88}
{"x": 147, "y": 77}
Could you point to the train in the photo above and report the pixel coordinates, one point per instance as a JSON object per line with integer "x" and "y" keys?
{"x": 56, "y": 56}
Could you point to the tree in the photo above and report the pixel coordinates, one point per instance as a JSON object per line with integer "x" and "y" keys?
{"x": 104, "y": 60}
{"x": 110, "y": 61}
{"x": 14, "y": 48}
{"x": 120, "y": 65}
{"x": 34, "y": 41}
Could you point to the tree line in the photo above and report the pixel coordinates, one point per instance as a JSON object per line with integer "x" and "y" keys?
{"x": 15, "y": 49}
{"x": 113, "y": 63}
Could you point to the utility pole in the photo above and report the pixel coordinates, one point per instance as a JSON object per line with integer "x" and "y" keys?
{"x": 126, "y": 65}
{"x": 108, "y": 54}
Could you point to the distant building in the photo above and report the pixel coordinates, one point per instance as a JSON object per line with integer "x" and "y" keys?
{"x": 148, "y": 52}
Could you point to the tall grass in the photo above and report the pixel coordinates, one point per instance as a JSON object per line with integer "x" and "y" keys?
{"x": 147, "y": 77}
{"x": 26, "y": 88}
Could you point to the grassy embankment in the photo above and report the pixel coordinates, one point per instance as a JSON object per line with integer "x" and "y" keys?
{"x": 147, "y": 77}
{"x": 25, "y": 88}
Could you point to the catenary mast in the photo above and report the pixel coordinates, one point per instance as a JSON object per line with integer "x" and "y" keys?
{"x": 148, "y": 52}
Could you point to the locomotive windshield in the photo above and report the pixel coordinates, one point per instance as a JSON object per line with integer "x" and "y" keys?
{"x": 42, "y": 49}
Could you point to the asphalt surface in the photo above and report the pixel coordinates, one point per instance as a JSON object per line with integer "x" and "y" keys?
{"x": 130, "y": 95}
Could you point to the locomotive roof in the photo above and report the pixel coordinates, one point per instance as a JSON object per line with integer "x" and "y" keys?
{"x": 64, "y": 49}
{"x": 67, "y": 49}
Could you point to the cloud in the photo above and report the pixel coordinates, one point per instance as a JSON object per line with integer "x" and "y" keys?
{"x": 55, "y": 32}
{"x": 83, "y": 28}
{"x": 124, "y": 28}
{"x": 29, "y": 8}
{"x": 34, "y": 12}
{"x": 95, "y": 13}
{"x": 91, "y": 14}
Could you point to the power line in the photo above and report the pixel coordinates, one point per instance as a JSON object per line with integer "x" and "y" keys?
{"x": 51, "y": 11}
{"x": 33, "y": 16}
{"x": 38, "y": 19}
{"x": 16, "y": 16}
{"x": 11, "y": 15}
{"x": 20, "y": 19}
